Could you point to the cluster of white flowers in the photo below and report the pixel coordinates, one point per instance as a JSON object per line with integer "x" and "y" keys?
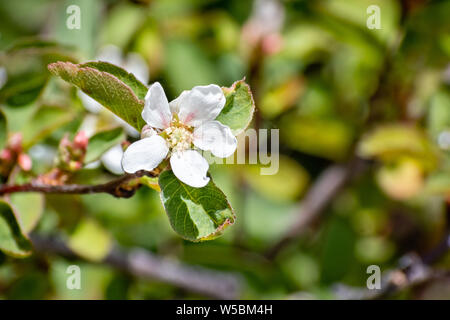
{"x": 175, "y": 129}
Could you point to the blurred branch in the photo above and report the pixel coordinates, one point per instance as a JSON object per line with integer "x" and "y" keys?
{"x": 412, "y": 270}
{"x": 119, "y": 187}
{"x": 329, "y": 183}
{"x": 144, "y": 264}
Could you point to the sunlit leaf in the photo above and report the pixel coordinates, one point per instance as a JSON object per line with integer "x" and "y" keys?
{"x": 195, "y": 213}
{"x": 90, "y": 240}
{"x": 389, "y": 142}
{"x": 109, "y": 85}
{"x": 328, "y": 138}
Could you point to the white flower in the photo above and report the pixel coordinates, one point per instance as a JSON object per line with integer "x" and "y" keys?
{"x": 174, "y": 128}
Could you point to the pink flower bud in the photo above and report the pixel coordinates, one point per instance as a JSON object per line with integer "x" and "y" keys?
{"x": 81, "y": 140}
{"x": 15, "y": 142}
{"x": 272, "y": 43}
{"x": 24, "y": 161}
{"x": 6, "y": 155}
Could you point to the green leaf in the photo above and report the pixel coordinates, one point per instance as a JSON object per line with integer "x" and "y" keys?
{"x": 26, "y": 66}
{"x": 328, "y": 138}
{"x": 128, "y": 78}
{"x": 43, "y": 122}
{"x": 390, "y": 142}
{"x": 195, "y": 213}
{"x": 101, "y": 142}
{"x": 29, "y": 207}
{"x": 239, "y": 107}
{"x": 109, "y": 85}
{"x": 3, "y": 131}
{"x": 12, "y": 240}
{"x": 90, "y": 240}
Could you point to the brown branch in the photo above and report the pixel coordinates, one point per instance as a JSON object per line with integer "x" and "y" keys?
{"x": 144, "y": 264}
{"x": 117, "y": 187}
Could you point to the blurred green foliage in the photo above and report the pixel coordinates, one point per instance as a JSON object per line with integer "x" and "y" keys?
{"x": 333, "y": 87}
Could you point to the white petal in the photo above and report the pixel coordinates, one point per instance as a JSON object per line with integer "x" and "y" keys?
{"x": 110, "y": 53}
{"x": 215, "y": 137}
{"x": 145, "y": 154}
{"x": 112, "y": 159}
{"x": 89, "y": 104}
{"x": 190, "y": 167}
{"x": 201, "y": 104}
{"x": 156, "y": 110}
{"x": 175, "y": 103}
{"x": 136, "y": 65}
{"x": 129, "y": 129}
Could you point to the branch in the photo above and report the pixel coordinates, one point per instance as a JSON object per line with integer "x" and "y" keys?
{"x": 117, "y": 187}
{"x": 412, "y": 270}
{"x": 144, "y": 264}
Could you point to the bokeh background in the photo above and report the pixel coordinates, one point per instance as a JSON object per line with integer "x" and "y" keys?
{"x": 368, "y": 107}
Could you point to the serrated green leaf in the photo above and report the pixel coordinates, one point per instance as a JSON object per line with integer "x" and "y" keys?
{"x": 108, "y": 89}
{"x": 12, "y": 240}
{"x": 239, "y": 107}
{"x": 29, "y": 207}
{"x": 101, "y": 142}
{"x": 195, "y": 213}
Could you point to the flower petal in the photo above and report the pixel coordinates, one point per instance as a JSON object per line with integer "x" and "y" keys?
{"x": 175, "y": 103}
{"x": 215, "y": 137}
{"x": 112, "y": 159}
{"x": 136, "y": 65}
{"x": 145, "y": 154}
{"x": 89, "y": 103}
{"x": 201, "y": 104}
{"x": 190, "y": 167}
{"x": 156, "y": 109}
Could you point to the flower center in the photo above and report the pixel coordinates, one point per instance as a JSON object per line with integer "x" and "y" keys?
{"x": 179, "y": 138}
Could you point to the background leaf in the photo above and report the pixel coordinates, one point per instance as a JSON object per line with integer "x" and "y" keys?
{"x": 29, "y": 207}
{"x": 101, "y": 142}
{"x": 195, "y": 213}
{"x": 90, "y": 240}
{"x": 12, "y": 241}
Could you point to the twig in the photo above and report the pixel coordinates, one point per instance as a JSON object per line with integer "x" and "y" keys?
{"x": 412, "y": 270}
{"x": 144, "y": 264}
{"x": 329, "y": 183}
{"x": 115, "y": 187}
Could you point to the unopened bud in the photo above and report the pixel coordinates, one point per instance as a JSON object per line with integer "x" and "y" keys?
{"x": 6, "y": 155}
{"x": 15, "y": 142}
{"x": 81, "y": 140}
{"x": 24, "y": 161}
